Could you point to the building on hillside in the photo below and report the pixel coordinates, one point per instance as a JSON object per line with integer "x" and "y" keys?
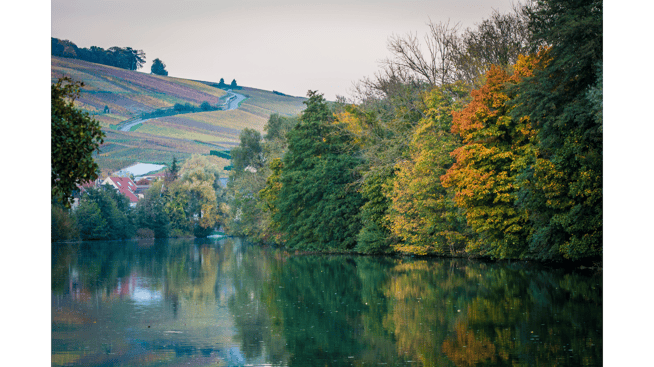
{"x": 152, "y": 177}
{"x": 125, "y": 186}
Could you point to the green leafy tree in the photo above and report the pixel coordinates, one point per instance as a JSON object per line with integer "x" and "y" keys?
{"x": 92, "y": 225}
{"x": 74, "y": 138}
{"x": 150, "y": 211}
{"x": 63, "y": 226}
{"x": 276, "y": 130}
{"x": 318, "y": 203}
{"x": 192, "y": 200}
{"x": 233, "y": 84}
{"x": 205, "y": 106}
{"x": 105, "y": 214}
{"x": 158, "y": 68}
{"x": 249, "y": 153}
{"x": 562, "y": 190}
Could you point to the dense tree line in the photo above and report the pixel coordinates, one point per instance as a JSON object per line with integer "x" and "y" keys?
{"x": 489, "y": 144}
{"x": 120, "y": 57}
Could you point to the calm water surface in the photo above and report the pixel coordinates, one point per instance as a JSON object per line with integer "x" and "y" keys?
{"x": 227, "y": 303}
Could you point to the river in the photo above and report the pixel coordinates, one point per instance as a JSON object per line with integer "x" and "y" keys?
{"x": 226, "y": 302}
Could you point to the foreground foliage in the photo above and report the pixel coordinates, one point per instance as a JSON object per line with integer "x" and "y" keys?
{"x": 74, "y": 138}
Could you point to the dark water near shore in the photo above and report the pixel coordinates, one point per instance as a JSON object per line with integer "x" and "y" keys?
{"x": 227, "y": 303}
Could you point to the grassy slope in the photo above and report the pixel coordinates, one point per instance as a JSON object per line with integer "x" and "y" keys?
{"x": 128, "y": 93}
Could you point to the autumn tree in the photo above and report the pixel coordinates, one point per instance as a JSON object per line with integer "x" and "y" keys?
{"x": 496, "y": 149}
{"x": 422, "y": 212}
{"x": 75, "y": 136}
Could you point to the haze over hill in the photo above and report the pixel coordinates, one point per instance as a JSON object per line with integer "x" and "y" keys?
{"x": 113, "y": 96}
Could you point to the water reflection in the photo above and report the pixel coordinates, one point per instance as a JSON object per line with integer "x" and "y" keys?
{"x": 207, "y": 302}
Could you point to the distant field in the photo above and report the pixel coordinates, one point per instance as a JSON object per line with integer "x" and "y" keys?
{"x": 129, "y": 93}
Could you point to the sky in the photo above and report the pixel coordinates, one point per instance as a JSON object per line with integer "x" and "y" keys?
{"x": 290, "y": 46}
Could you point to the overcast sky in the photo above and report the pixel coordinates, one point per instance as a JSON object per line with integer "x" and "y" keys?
{"x": 290, "y": 46}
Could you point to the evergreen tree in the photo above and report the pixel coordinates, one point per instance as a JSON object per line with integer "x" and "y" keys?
{"x": 563, "y": 188}
{"x": 174, "y": 170}
{"x": 233, "y": 84}
{"x": 104, "y": 214}
{"x": 317, "y": 206}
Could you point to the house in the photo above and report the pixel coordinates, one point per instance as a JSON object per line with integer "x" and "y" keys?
{"x": 152, "y": 177}
{"x": 125, "y": 186}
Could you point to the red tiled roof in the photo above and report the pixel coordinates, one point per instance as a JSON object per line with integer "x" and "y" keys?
{"x": 126, "y": 187}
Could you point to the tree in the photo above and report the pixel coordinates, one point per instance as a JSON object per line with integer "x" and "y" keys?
{"x": 497, "y": 41}
{"x": 563, "y": 191}
{"x": 233, "y": 84}
{"x": 496, "y": 150}
{"x": 276, "y": 130}
{"x": 158, "y": 68}
{"x": 74, "y": 138}
{"x": 317, "y": 206}
{"x": 205, "y": 106}
{"x": 434, "y": 68}
{"x": 191, "y": 202}
{"x": 173, "y": 172}
{"x": 104, "y": 214}
{"x": 249, "y": 153}
{"x": 150, "y": 211}
{"x": 422, "y": 212}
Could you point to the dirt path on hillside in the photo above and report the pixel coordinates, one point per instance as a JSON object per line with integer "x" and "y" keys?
{"x": 232, "y": 103}
{"x": 133, "y": 123}
{"x": 234, "y": 100}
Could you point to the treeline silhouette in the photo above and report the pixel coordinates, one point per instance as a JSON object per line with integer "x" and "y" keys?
{"x": 121, "y": 57}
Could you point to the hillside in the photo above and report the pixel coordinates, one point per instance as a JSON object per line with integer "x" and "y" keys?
{"x": 129, "y": 94}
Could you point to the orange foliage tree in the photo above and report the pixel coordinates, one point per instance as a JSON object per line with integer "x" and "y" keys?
{"x": 497, "y": 148}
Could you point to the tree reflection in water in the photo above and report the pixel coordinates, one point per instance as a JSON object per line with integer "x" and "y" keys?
{"x": 203, "y": 301}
